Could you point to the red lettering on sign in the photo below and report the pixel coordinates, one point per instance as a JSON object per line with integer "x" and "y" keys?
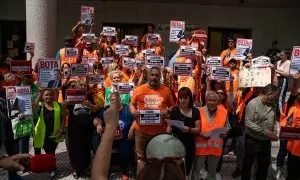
{"x": 243, "y": 42}
{"x": 23, "y": 91}
{"x": 296, "y": 52}
{"x": 176, "y": 23}
{"x": 49, "y": 64}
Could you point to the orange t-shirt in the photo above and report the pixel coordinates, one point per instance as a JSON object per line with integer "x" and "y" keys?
{"x": 227, "y": 54}
{"x": 235, "y": 74}
{"x": 144, "y": 98}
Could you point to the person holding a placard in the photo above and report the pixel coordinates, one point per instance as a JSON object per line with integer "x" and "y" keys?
{"x": 156, "y": 98}
{"x": 189, "y": 115}
{"x": 61, "y": 54}
{"x": 144, "y": 43}
{"x": 227, "y": 54}
{"x": 260, "y": 129}
{"x": 234, "y": 71}
{"x": 77, "y": 32}
{"x": 290, "y": 117}
{"x": 108, "y": 41}
{"x": 89, "y": 52}
{"x": 49, "y": 127}
{"x": 210, "y": 149}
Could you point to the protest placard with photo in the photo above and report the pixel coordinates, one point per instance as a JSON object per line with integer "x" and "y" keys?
{"x": 261, "y": 61}
{"x": 66, "y": 72}
{"x": 107, "y": 60}
{"x": 109, "y": 31}
{"x": 87, "y": 15}
{"x": 76, "y": 96}
{"x": 96, "y": 78}
{"x": 29, "y": 47}
{"x": 71, "y": 52}
{"x": 150, "y": 117}
{"x": 254, "y": 77}
{"x": 243, "y": 48}
{"x": 87, "y": 37}
{"x": 122, "y": 49}
{"x": 176, "y": 30}
{"x": 80, "y": 70}
{"x": 188, "y": 51}
{"x": 295, "y": 60}
{"x": 153, "y": 38}
{"x": 128, "y": 62}
{"x": 183, "y": 68}
{"x": 220, "y": 73}
{"x": 214, "y": 61}
{"x": 89, "y": 60}
{"x": 131, "y": 40}
{"x": 148, "y": 52}
{"x": 124, "y": 88}
{"x": 18, "y": 101}
{"x": 49, "y": 73}
{"x": 155, "y": 61}
{"x": 17, "y": 66}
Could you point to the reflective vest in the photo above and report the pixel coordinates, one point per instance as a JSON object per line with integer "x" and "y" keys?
{"x": 293, "y": 146}
{"x": 64, "y": 59}
{"x": 242, "y": 104}
{"x": 90, "y": 54}
{"x": 211, "y": 146}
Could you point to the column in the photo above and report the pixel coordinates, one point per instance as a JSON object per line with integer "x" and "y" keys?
{"x": 41, "y": 18}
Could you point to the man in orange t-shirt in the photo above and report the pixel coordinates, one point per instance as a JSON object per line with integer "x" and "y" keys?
{"x": 150, "y": 96}
{"x": 227, "y": 54}
{"x": 234, "y": 71}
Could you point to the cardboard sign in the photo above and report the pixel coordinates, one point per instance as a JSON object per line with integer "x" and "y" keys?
{"x": 220, "y": 73}
{"x": 153, "y": 38}
{"x": 49, "y": 73}
{"x": 183, "y": 68}
{"x": 243, "y": 48}
{"x": 71, "y": 52}
{"x": 124, "y": 88}
{"x": 289, "y": 133}
{"x": 254, "y": 77}
{"x": 150, "y": 117}
{"x": 131, "y": 40}
{"x": 148, "y": 52}
{"x": 96, "y": 78}
{"x": 87, "y": 15}
{"x": 107, "y": 60}
{"x": 76, "y": 96}
{"x": 87, "y": 37}
{"x": 155, "y": 61}
{"x": 140, "y": 62}
{"x": 176, "y": 30}
{"x": 18, "y": 101}
{"x": 214, "y": 61}
{"x": 29, "y": 47}
{"x": 80, "y": 70}
{"x": 261, "y": 61}
{"x": 17, "y": 66}
{"x": 187, "y": 51}
{"x": 128, "y": 62}
{"x": 109, "y": 31}
{"x": 295, "y": 60}
{"x": 122, "y": 49}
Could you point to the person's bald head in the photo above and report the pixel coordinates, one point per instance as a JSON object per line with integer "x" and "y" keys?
{"x": 211, "y": 100}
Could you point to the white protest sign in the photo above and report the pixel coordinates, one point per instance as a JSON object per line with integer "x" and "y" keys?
{"x": 109, "y": 31}
{"x": 148, "y": 52}
{"x": 175, "y": 123}
{"x": 176, "y": 30}
{"x": 49, "y": 73}
{"x": 124, "y": 88}
{"x": 140, "y": 62}
{"x": 187, "y": 51}
{"x": 243, "y": 48}
{"x": 150, "y": 117}
{"x": 155, "y": 61}
{"x": 128, "y": 62}
{"x": 80, "y": 70}
{"x": 182, "y": 68}
{"x": 71, "y": 52}
{"x": 214, "y": 61}
{"x": 261, "y": 61}
{"x": 254, "y": 77}
{"x": 87, "y": 37}
{"x": 153, "y": 38}
{"x": 131, "y": 40}
{"x": 215, "y": 133}
{"x": 29, "y": 47}
{"x": 87, "y": 15}
{"x": 107, "y": 60}
{"x": 96, "y": 78}
{"x": 220, "y": 73}
{"x": 295, "y": 60}
{"x": 122, "y": 49}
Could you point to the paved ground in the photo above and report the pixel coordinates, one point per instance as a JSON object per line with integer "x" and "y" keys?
{"x": 64, "y": 170}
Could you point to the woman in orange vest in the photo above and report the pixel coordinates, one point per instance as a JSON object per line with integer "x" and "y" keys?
{"x": 208, "y": 148}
